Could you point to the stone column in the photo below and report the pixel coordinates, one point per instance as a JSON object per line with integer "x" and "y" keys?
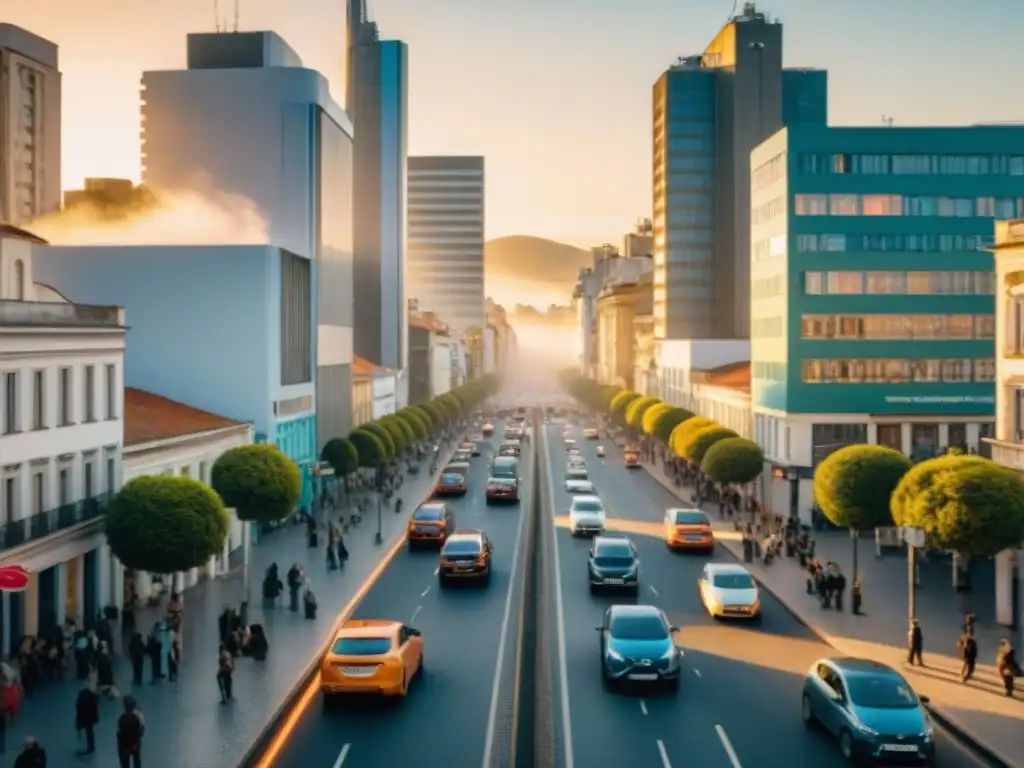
{"x": 31, "y": 598}
{"x": 62, "y": 585}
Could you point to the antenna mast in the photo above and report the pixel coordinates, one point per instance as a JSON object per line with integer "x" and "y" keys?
{"x": 216, "y": 15}
{"x": 236, "y": 15}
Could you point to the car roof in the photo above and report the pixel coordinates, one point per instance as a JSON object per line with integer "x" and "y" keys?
{"x": 367, "y": 628}
{"x": 611, "y": 541}
{"x": 850, "y": 665}
{"x": 727, "y": 568}
{"x": 587, "y": 497}
{"x": 431, "y": 505}
{"x": 467, "y": 535}
{"x": 634, "y": 610}
{"x": 673, "y": 510}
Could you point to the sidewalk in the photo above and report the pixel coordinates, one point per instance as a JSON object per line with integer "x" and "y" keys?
{"x": 187, "y": 727}
{"x": 979, "y": 711}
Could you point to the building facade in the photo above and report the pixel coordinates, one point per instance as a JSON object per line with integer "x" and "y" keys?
{"x": 618, "y": 305}
{"x": 294, "y": 160}
{"x": 430, "y": 358}
{"x": 446, "y": 238}
{"x": 30, "y": 99}
{"x": 873, "y": 311}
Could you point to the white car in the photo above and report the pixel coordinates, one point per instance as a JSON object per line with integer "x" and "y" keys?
{"x": 729, "y": 591}
{"x": 569, "y": 443}
{"x": 575, "y": 452}
{"x": 577, "y": 461}
{"x": 575, "y": 472}
{"x": 591, "y": 433}
{"x": 586, "y": 516}
{"x": 578, "y": 485}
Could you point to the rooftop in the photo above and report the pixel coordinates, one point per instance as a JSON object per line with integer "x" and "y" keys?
{"x": 11, "y": 232}
{"x": 53, "y": 314}
{"x": 149, "y": 417}
{"x": 363, "y": 367}
{"x": 732, "y": 376}
{"x": 427, "y": 322}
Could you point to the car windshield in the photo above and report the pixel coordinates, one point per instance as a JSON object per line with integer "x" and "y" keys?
{"x": 733, "y": 581}
{"x": 606, "y": 561}
{"x": 451, "y": 478}
{"x": 361, "y": 646}
{"x": 881, "y": 692}
{"x": 429, "y": 514}
{"x": 691, "y": 518}
{"x": 504, "y": 481}
{"x": 462, "y": 547}
{"x": 638, "y": 628}
{"x": 588, "y": 506}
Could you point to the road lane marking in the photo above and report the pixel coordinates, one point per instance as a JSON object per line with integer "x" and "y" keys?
{"x": 492, "y": 715}
{"x": 415, "y": 613}
{"x": 664, "y": 755}
{"x": 563, "y": 674}
{"x": 437, "y": 570}
{"x": 696, "y": 672}
{"x": 424, "y": 592}
{"x": 727, "y": 746}
{"x": 653, "y": 590}
{"x": 643, "y": 706}
{"x": 342, "y": 755}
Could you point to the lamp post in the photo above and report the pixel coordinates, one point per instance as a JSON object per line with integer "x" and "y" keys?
{"x": 914, "y": 538}
{"x": 379, "y": 538}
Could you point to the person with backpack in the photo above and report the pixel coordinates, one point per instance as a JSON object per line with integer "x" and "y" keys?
{"x": 968, "y": 649}
{"x": 131, "y": 727}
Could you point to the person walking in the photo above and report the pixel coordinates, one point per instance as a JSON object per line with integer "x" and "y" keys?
{"x": 87, "y": 714}
{"x": 225, "y": 673}
{"x": 105, "y": 673}
{"x": 137, "y": 655}
{"x": 294, "y": 586}
{"x": 131, "y": 727}
{"x": 967, "y": 648}
{"x": 154, "y": 649}
{"x": 1007, "y": 666}
{"x": 32, "y": 756}
{"x": 915, "y": 644}
{"x": 174, "y": 657}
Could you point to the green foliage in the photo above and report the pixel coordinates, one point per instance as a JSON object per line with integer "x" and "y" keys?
{"x": 417, "y": 422}
{"x": 400, "y": 425}
{"x": 854, "y": 485}
{"x": 257, "y": 481}
{"x": 372, "y": 452}
{"x": 618, "y": 403}
{"x": 427, "y": 415}
{"x": 666, "y": 423}
{"x": 451, "y": 405}
{"x": 733, "y": 460}
{"x": 651, "y": 416}
{"x": 165, "y": 524}
{"x": 636, "y": 409}
{"x": 681, "y": 433}
{"x": 964, "y": 503}
{"x": 390, "y": 449}
{"x": 395, "y": 432}
{"x": 340, "y": 454}
{"x": 699, "y": 441}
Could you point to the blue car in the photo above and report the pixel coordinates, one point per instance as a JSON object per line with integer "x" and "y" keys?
{"x": 637, "y": 646}
{"x": 871, "y": 709}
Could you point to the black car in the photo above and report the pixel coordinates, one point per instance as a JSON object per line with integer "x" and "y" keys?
{"x": 511, "y": 448}
{"x": 613, "y": 563}
{"x": 638, "y": 646}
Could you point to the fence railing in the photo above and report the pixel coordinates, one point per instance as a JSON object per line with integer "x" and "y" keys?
{"x": 43, "y": 524}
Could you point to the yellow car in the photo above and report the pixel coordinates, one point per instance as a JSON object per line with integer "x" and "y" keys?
{"x": 377, "y": 656}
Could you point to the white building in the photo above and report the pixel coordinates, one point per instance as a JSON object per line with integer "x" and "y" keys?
{"x": 441, "y": 365}
{"x": 61, "y": 383}
{"x": 445, "y": 249}
{"x": 29, "y": 126}
{"x": 676, "y": 361}
{"x": 385, "y": 393}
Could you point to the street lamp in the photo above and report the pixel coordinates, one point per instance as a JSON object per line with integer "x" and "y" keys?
{"x": 379, "y": 538}
{"x": 915, "y": 540}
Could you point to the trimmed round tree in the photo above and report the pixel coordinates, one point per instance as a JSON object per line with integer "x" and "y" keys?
{"x": 854, "y": 485}
{"x": 402, "y": 426}
{"x": 666, "y": 422}
{"x": 390, "y": 449}
{"x": 395, "y": 432}
{"x": 371, "y": 451}
{"x": 165, "y": 524}
{"x": 698, "y": 442}
{"x": 257, "y": 481}
{"x": 635, "y": 411}
{"x": 682, "y": 432}
{"x": 437, "y": 415}
{"x": 621, "y": 402}
{"x": 426, "y": 416}
{"x": 967, "y": 504}
{"x": 733, "y": 461}
{"x": 340, "y": 454}
{"x": 651, "y": 416}
{"x": 451, "y": 404}
{"x": 416, "y": 421}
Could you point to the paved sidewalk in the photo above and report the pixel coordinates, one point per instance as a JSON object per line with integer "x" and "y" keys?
{"x": 979, "y": 710}
{"x": 187, "y": 727}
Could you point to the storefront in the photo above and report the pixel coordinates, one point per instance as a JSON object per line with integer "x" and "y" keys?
{"x": 296, "y": 439}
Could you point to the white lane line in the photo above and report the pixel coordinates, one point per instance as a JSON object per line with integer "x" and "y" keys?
{"x": 416, "y": 613}
{"x": 342, "y": 755}
{"x": 437, "y": 570}
{"x": 696, "y": 672}
{"x": 424, "y": 592}
{"x": 727, "y": 746}
{"x": 492, "y": 716}
{"x": 563, "y": 674}
{"x": 653, "y": 590}
{"x": 664, "y": 755}
{"x": 643, "y": 706}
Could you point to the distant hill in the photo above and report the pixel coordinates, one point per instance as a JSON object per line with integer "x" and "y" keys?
{"x": 547, "y": 263}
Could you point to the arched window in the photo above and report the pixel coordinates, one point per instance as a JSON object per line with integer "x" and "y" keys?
{"x": 19, "y": 280}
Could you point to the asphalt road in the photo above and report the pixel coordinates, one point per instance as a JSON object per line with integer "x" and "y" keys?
{"x": 447, "y": 715}
{"x": 739, "y": 700}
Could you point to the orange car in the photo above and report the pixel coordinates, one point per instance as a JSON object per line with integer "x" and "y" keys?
{"x": 466, "y": 555}
{"x": 632, "y": 456}
{"x": 372, "y": 656}
{"x": 431, "y": 523}
{"x": 688, "y": 529}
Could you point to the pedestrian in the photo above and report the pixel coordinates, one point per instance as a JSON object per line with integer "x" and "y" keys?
{"x": 967, "y": 648}
{"x": 225, "y": 672}
{"x": 137, "y": 655}
{"x": 1007, "y": 666}
{"x": 840, "y": 588}
{"x": 342, "y": 549}
{"x": 969, "y": 623}
{"x": 87, "y": 714}
{"x": 915, "y": 644}
{"x": 174, "y": 657}
{"x": 105, "y": 673}
{"x": 272, "y": 586}
{"x": 32, "y": 756}
{"x": 333, "y": 532}
{"x": 131, "y": 727}
{"x": 309, "y": 601}
{"x": 153, "y": 650}
{"x": 294, "y": 586}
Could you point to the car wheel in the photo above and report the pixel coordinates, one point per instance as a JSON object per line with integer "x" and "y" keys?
{"x": 846, "y": 745}
{"x": 442, "y": 582}
{"x": 673, "y": 685}
{"x": 807, "y": 711}
{"x": 593, "y": 589}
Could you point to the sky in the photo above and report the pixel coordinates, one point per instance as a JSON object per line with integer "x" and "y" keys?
{"x": 556, "y": 94}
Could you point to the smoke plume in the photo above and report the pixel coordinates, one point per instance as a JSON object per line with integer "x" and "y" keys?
{"x": 165, "y": 218}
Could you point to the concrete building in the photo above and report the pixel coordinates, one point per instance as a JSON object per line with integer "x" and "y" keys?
{"x": 30, "y": 103}
{"x": 873, "y": 313}
{"x": 293, "y": 160}
{"x": 374, "y": 392}
{"x": 112, "y": 195}
{"x": 505, "y": 343}
{"x": 640, "y": 242}
{"x": 446, "y": 238}
{"x": 621, "y": 300}
{"x": 227, "y": 329}
{"x": 61, "y": 379}
{"x": 430, "y": 358}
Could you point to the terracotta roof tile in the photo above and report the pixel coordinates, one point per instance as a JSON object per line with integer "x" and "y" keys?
{"x": 363, "y": 367}
{"x": 149, "y": 417}
{"x": 733, "y": 376}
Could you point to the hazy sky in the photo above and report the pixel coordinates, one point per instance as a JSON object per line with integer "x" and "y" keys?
{"x": 555, "y": 93}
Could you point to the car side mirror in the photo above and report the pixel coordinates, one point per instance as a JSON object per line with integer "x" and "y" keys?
{"x": 673, "y": 629}
{"x": 924, "y": 699}
{"x": 414, "y": 632}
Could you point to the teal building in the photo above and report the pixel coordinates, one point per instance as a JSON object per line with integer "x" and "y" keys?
{"x": 871, "y": 289}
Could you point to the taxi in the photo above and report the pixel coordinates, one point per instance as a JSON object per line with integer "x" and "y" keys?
{"x": 688, "y": 529}
{"x": 375, "y": 656}
{"x": 632, "y": 456}
{"x": 451, "y": 484}
{"x": 466, "y": 555}
{"x": 431, "y": 523}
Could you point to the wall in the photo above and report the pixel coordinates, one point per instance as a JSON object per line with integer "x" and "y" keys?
{"x": 384, "y": 393}
{"x": 728, "y": 406}
{"x": 420, "y": 365}
{"x": 676, "y": 358}
{"x": 440, "y": 366}
{"x": 362, "y": 400}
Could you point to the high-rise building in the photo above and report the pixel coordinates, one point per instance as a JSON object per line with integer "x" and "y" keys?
{"x": 446, "y": 238}
{"x": 30, "y": 180}
{"x": 710, "y": 111}
{"x": 377, "y": 102}
{"x": 247, "y": 118}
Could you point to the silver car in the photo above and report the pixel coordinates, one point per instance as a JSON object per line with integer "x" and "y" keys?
{"x": 576, "y": 485}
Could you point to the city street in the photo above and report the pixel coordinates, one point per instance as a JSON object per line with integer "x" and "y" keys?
{"x": 452, "y": 712}
{"x": 739, "y": 701}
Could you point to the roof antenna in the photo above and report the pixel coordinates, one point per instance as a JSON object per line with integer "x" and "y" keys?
{"x": 236, "y": 16}
{"x": 216, "y": 15}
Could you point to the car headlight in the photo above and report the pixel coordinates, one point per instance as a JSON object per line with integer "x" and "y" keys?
{"x": 671, "y": 653}
{"x": 615, "y": 655}
{"x": 865, "y": 730}
{"x": 928, "y": 733}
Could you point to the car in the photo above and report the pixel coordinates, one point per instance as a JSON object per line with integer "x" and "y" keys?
{"x": 466, "y": 555}
{"x": 586, "y": 516}
{"x": 575, "y": 471}
{"x": 871, "y": 709}
{"x": 488, "y": 429}
{"x": 575, "y": 452}
{"x": 579, "y": 486}
{"x": 688, "y": 529}
{"x": 513, "y": 434}
{"x": 638, "y": 645}
{"x": 502, "y": 489}
{"x": 591, "y": 433}
{"x": 431, "y": 523}
{"x": 632, "y": 457}
{"x": 599, "y": 451}
{"x": 570, "y": 444}
{"x": 728, "y": 590}
{"x": 613, "y": 562}
{"x": 461, "y": 456}
{"x": 511, "y": 448}
{"x": 472, "y": 448}
{"x": 450, "y": 484}
{"x": 372, "y": 656}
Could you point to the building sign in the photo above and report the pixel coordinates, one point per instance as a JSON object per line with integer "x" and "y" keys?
{"x": 939, "y": 399}
{"x": 13, "y": 578}
{"x": 1015, "y": 232}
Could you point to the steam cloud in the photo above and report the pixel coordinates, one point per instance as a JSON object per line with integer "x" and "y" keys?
{"x": 173, "y": 218}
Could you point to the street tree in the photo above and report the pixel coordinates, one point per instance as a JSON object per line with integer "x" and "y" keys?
{"x": 651, "y": 416}
{"x": 854, "y": 485}
{"x": 451, "y": 405}
{"x": 165, "y": 524}
{"x": 416, "y": 421}
{"x": 636, "y": 409}
{"x": 408, "y": 433}
{"x": 258, "y": 481}
{"x": 666, "y": 423}
{"x": 733, "y": 461}
{"x": 341, "y": 454}
{"x": 372, "y": 455}
{"x": 390, "y": 449}
{"x": 428, "y": 413}
{"x": 699, "y": 442}
{"x": 620, "y": 403}
{"x": 680, "y": 435}
{"x": 395, "y": 432}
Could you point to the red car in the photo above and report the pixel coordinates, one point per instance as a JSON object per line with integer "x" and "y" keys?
{"x": 502, "y": 489}
{"x": 451, "y": 484}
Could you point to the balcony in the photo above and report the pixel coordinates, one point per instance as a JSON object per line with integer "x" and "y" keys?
{"x": 38, "y": 526}
{"x": 1006, "y": 453}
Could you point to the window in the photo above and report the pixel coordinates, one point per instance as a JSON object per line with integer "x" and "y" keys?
{"x": 881, "y": 205}
{"x": 984, "y": 370}
{"x": 887, "y": 282}
{"x": 111, "y": 411}
{"x": 87, "y": 480}
{"x": 38, "y": 400}
{"x": 90, "y": 393}
{"x": 811, "y": 205}
{"x": 64, "y": 396}
{"x": 63, "y": 486}
{"x": 9, "y": 499}
{"x": 111, "y": 475}
{"x": 814, "y": 283}
{"x": 894, "y": 371}
{"x": 843, "y": 205}
{"x": 984, "y": 326}
{"x": 38, "y": 488}
{"x": 10, "y": 402}
{"x": 844, "y": 283}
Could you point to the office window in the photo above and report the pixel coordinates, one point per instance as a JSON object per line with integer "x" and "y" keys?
{"x": 956, "y": 370}
{"x": 90, "y": 393}
{"x": 887, "y": 282}
{"x": 811, "y": 205}
{"x": 881, "y": 205}
{"x": 984, "y": 326}
{"x": 926, "y": 371}
{"x": 111, "y": 400}
{"x": 63, "y": 486}
{"x": 845, "y": 283}
{"x": 65, "y": 396}
{"x": 9, "y": 500}
{"x": 893, "y": 371}
{"x": 38, "y": 400}
{"x": 833, "y": 243}
{"x": 10, "y": 402}
{"x": 984, "y": 370}
{"x": 843, "y": 205}
{"x": 806, "y": 243}
{"x": 111, "y": 475}
{"x": 88, "y": 489}
{"x": 814, "y": 283}
{"x": 296, "y": 319}
{"x": 38, "y": 490}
